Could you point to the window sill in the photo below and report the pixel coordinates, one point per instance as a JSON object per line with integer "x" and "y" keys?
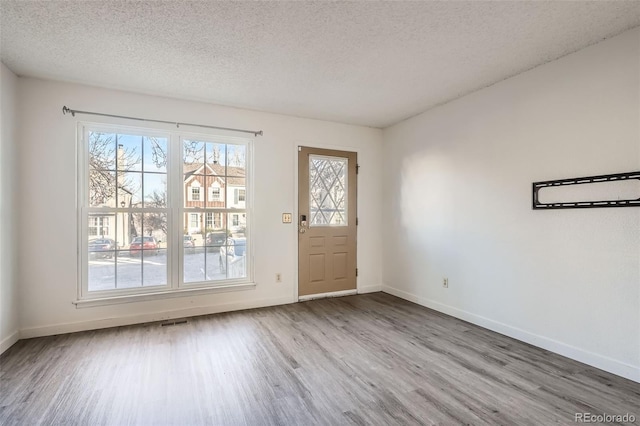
{"x": 116, "y": 300}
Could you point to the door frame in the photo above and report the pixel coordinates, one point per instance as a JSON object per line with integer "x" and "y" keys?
{"x": 296, "y": 213}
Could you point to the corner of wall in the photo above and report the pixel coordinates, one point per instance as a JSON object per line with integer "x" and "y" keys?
{"x": 8, "y": 285}
{"x": 9, "y": 341}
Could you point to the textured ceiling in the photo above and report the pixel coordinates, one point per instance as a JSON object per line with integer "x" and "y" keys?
{"x": 368, "y": 63}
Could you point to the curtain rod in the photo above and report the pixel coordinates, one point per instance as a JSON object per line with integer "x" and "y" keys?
{"x": 73, "y": 112}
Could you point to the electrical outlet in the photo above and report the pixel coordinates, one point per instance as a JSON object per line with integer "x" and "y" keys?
{"x": 278, "y": 277}
{"x": 445, "y": 282}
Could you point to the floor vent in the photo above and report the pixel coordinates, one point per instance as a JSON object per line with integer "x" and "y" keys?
{"x": 173, "y": 322}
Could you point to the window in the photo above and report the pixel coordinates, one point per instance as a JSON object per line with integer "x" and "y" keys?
{"x": 213, "y": 221}
{"x": 98, "y": 226}
{"x": 195, "y": 193}
{"x": 217, "y": 165}
{"x": 193, "y": 189}
{"x": 214, "y": 194}
{"x": 328, "y": 208}
{"x": 131, "y": 198}
{"x": 239, "y": 196}
{"x": 195, "y": 222}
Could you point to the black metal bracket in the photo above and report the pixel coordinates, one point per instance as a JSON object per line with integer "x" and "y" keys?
{"x": 537, "y": 205}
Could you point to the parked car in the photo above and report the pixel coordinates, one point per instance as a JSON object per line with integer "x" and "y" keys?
{"x": 188, "y": 243}
{"x": 234, "y": 249}
{"x": 102, "y": 248}
{"x": 214, "y": 240}
{"x": 148, "y": 244}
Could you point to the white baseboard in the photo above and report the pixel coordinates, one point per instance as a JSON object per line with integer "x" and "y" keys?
{"x": 369, "y": 288}
{"x": 602, "y": 362}
{"x": 9, "y": 341}
{"x": 49, "y": 330}
{"x": 403, "y": 294}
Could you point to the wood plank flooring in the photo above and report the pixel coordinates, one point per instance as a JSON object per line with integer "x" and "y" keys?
{"x": 368, "y": 359}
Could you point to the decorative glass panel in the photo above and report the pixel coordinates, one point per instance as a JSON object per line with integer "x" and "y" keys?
{"x": 328, "y": 190}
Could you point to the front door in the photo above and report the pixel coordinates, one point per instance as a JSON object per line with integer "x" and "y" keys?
{"x": 327, "y": 186}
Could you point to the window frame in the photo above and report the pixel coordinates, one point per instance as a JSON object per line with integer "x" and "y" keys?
{"x": 175, "y": 210}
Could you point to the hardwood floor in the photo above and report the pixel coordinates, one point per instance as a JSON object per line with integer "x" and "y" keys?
{"x": 367, "y": 359}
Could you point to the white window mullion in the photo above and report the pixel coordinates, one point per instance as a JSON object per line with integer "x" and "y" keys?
{"x": 83, "y": 154}
{"x": 176, "y": 189}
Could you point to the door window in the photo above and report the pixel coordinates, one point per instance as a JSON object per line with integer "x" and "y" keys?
{"x": 328, "y": 190}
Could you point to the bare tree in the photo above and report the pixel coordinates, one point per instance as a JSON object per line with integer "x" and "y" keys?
{"x": 236, "y": 157}
{"x": 215, "y": 155}
{"x": 107, "y": 163}
{"x": 156, "y": 221}
{"x": 158, "y": 153}
{"x": 193, "y": 152}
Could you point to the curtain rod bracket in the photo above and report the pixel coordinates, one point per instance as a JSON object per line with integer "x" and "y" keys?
{"x": 65, "y": 110}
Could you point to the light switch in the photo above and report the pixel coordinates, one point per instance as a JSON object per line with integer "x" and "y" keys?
{"x": 286, "y": 217}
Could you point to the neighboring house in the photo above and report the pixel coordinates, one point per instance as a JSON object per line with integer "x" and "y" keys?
{"x": 206, "y": 186}
{"x": 210, "y": 186}
{"x": 105, "y": 225}
{"x": 118, "y": 227}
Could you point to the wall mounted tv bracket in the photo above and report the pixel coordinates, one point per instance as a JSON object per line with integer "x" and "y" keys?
{"x": 537, "y": 205}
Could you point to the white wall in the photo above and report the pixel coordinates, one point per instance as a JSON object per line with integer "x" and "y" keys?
{"x": 458, "y": 184}
{"x": 8, "y": 282}
{"x": 47, "y": 182}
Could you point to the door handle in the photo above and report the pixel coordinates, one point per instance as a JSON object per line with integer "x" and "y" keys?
{"x": 303, "y": 224}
